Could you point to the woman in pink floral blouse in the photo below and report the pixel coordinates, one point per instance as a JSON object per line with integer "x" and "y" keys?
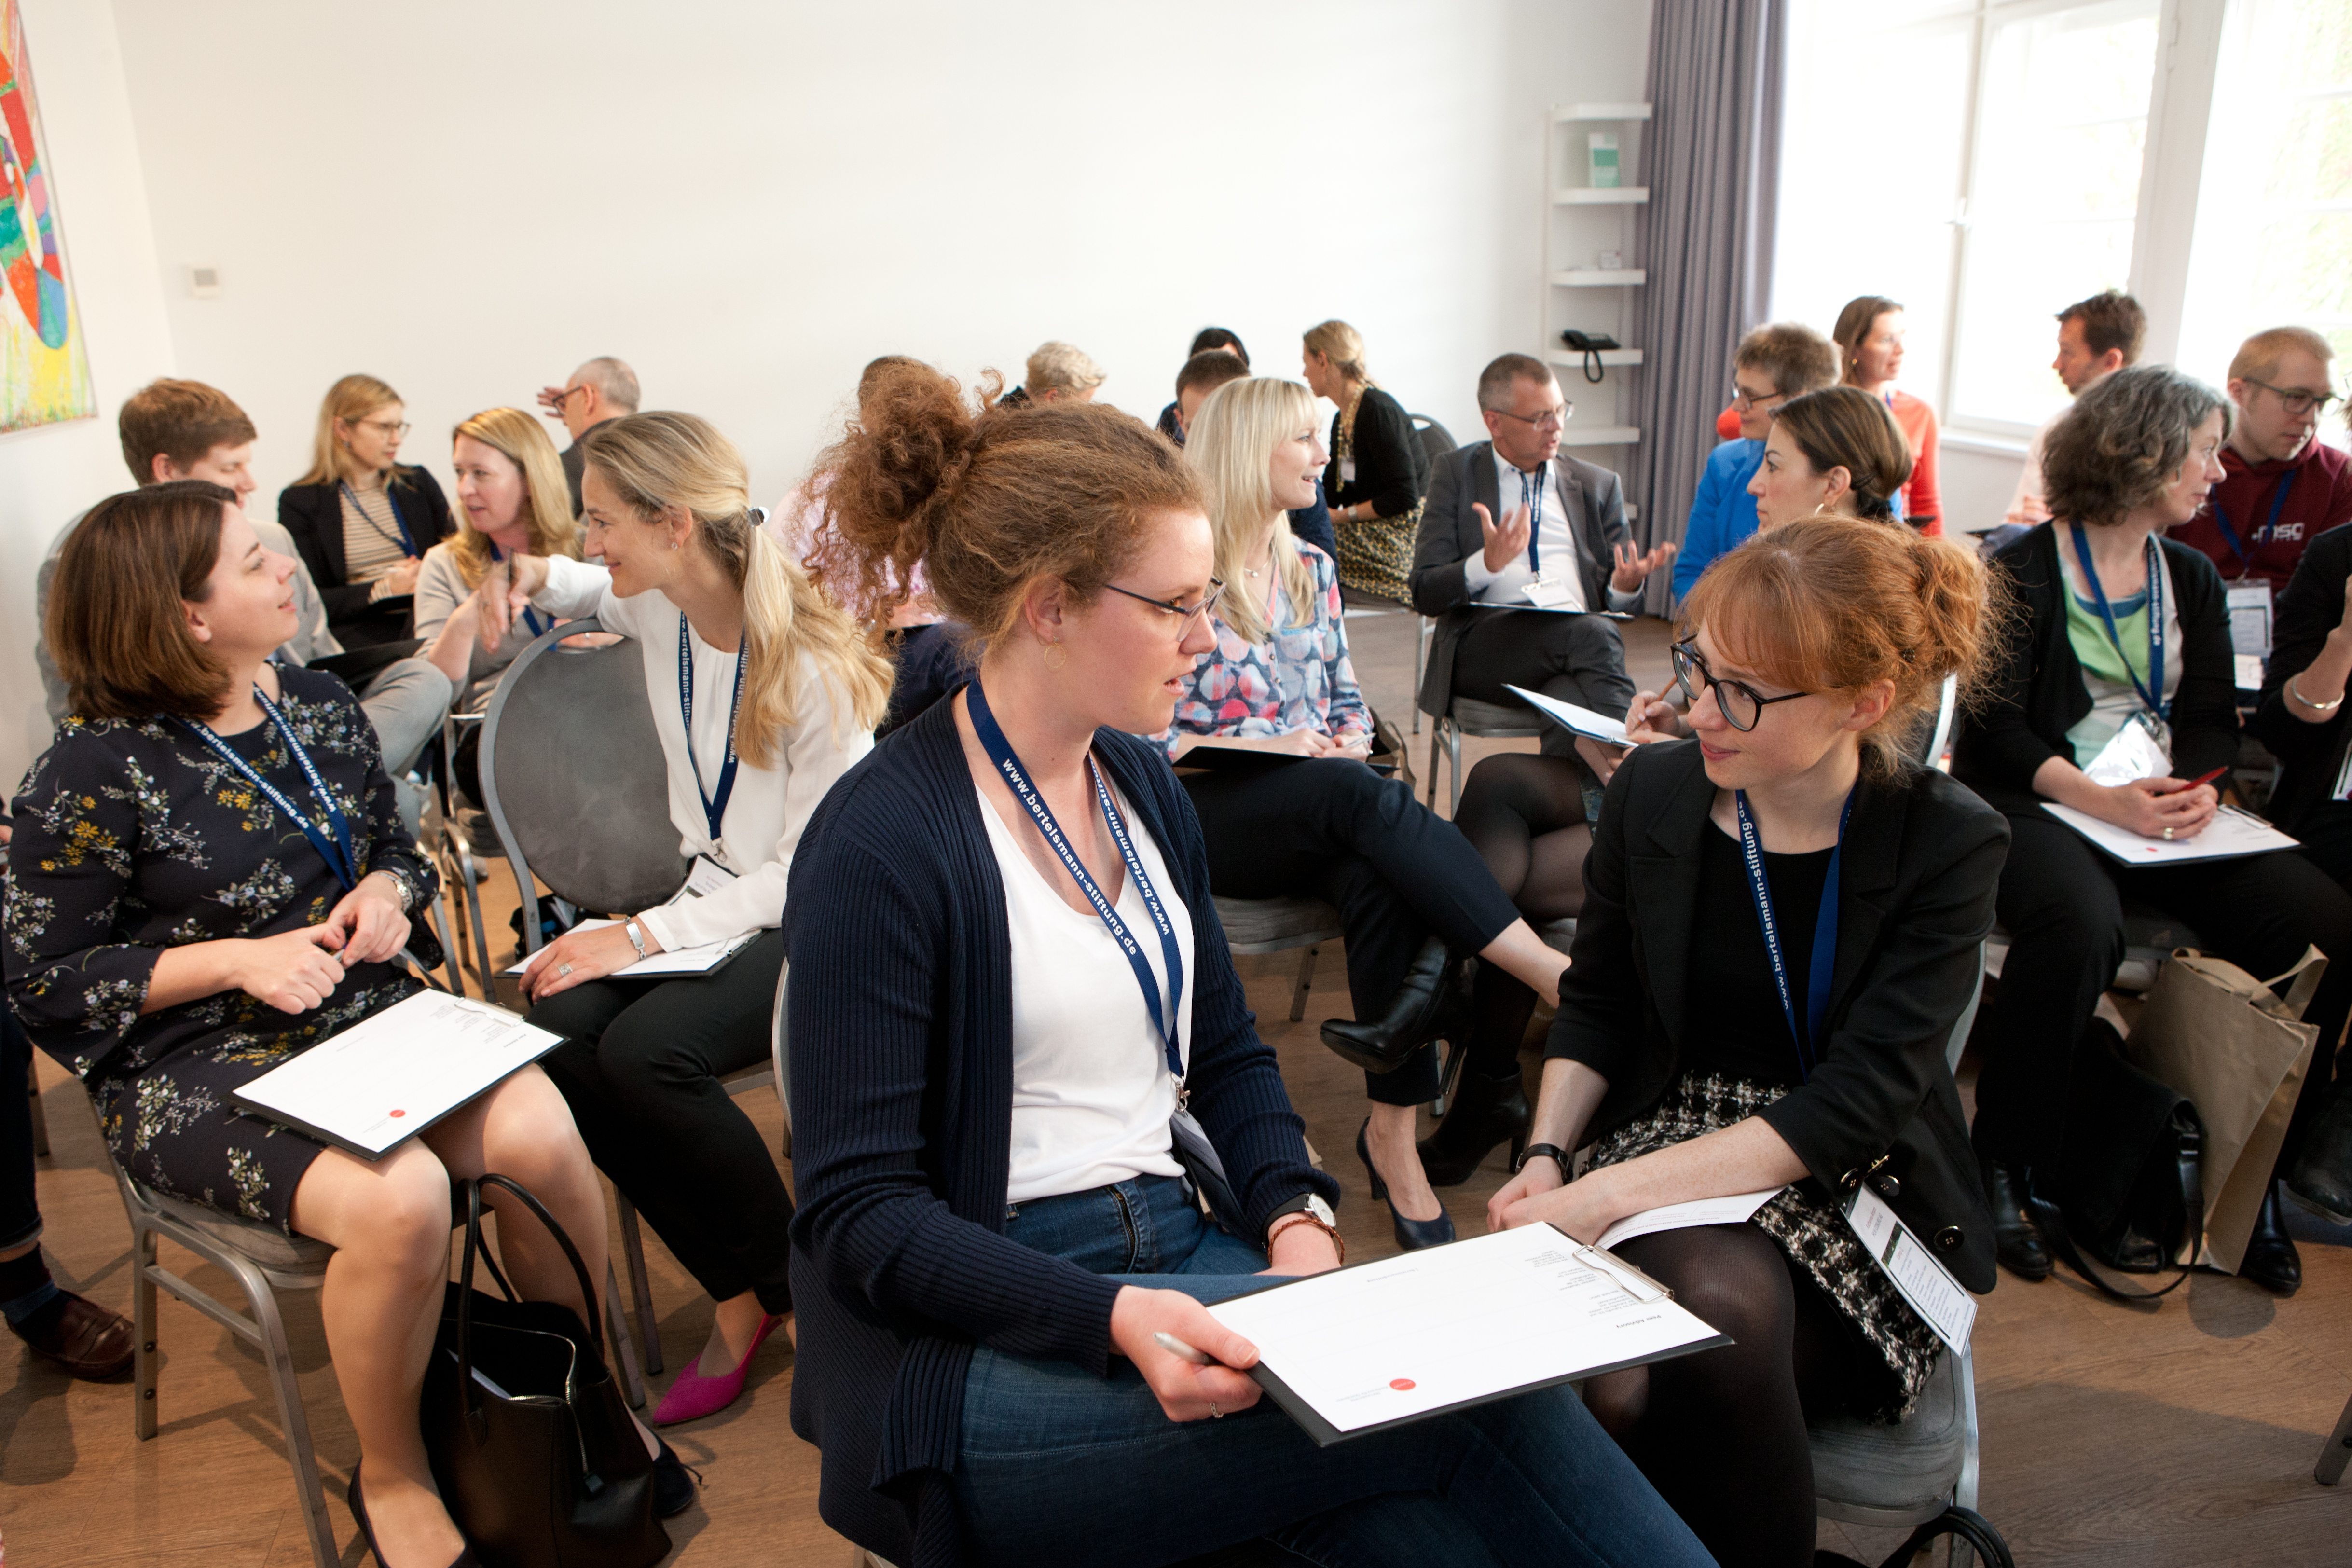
{"x": 1413, "y": 897}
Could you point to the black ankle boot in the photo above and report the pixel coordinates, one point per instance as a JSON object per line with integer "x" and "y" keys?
{"x": 2270, "y": 1261}
{"x": 2016, "y": 1240}
{"x": 2321, "y": 1179}
{"x": 1484, "y": 1111}
{"x": 1421, "y": 1008}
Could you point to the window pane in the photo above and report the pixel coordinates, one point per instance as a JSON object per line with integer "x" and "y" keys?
{"x": 1863, "y": 212}
{"x": 2054, "y": 195}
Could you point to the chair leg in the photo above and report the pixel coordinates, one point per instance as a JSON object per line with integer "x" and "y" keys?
{"x": 641, "y": 1290}
{"x": 1453, "y": 768}
{"x": 144, "y": 1357}
{"x": 40, "y": 1119}
{"x": 292, "y": 1419}
{"x": 617, "y": 1331}
{"x": 1306, "y": 982}
{"x": 2330, "y": 1469}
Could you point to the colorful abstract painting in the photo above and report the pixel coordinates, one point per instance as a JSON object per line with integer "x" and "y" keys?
{"x": 44, "y": 373}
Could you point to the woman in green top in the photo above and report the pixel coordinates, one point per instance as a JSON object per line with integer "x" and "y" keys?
{"x": 2118, "y": 700}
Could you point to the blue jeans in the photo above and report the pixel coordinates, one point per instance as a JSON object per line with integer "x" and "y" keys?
{"x": 1057, "y": 1465}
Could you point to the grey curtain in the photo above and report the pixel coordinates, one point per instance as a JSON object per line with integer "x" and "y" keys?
{"x": 1713, "y": 164}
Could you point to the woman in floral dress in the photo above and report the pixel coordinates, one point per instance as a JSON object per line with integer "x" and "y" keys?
{"x": 1412, "y": 896}
{"x": 209, "y": 876}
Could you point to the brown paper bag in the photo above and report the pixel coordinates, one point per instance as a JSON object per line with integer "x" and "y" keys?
{"x": 2224, "y": 1040}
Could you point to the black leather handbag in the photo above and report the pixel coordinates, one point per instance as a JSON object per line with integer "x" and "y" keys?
{"x": 2131, "y": 1169}
{"x": 530, "y": 1439}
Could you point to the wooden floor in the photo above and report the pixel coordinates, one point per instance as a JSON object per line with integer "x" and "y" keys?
{"x": 2180, "y": 1434}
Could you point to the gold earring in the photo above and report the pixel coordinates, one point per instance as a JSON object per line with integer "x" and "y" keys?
{"x": 1054, "y": 657}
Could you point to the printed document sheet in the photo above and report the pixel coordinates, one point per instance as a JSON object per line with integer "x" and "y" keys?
{"x": 1738, "y": 1209}
{"x": 703, "y": 877}
{"x": 388, "y": 1078}
{"x": 1577, "y": 720}
{"x": 1915, "y": 1271}
{"x": 2231, "y": 833}
{"x": 1363, "y": 1347}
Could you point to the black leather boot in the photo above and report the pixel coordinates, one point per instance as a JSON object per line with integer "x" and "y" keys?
{"x": 1424, "y": 1005}
{"x": 1484, "y": 1111}
{"x": 2270, "y": 1261}
{"x": 2321, "y": 1179}
{"x": 2016, "y": 1239}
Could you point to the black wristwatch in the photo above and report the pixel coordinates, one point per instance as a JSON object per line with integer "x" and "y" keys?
{"x": 1558, "y": 1156}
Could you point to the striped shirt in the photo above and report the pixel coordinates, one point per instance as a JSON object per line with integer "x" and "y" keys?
{"x": 372, "y": 542}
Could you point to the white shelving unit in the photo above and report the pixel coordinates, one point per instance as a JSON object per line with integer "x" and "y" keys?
{"x": 1580, "y": 221}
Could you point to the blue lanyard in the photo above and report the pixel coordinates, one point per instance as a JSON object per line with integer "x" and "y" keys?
{"x": 408, "y": 540}
{"x": 1531, "y": 489}
{"x": 529, "y": 618}
{"x": 2269, "y": 529}
{"x": 336, "y": 851}
{"x": 1823, "y": 966}
{"x": 999, "y": 752}
{"x": 714, "y": 811}
{"x": 2154, "y": 699}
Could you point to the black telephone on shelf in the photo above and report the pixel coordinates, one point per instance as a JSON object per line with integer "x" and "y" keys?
{"x": 1590, "y": 345}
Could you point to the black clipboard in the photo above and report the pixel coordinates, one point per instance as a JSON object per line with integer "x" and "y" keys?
{"x": 1210, "y": 757}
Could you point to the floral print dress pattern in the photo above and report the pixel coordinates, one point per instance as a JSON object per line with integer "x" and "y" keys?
{"x": 1298, "y": 679}
{"x": 133, "y": 838}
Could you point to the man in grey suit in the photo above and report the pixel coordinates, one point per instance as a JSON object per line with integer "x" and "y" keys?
{"x": 1562, "y": 529}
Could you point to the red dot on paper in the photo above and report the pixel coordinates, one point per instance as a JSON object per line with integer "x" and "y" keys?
{"x": 400, "y": 1113}
{"x": 1399, "y": 1384}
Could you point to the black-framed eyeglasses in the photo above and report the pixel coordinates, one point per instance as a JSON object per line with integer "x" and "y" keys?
{"x": 1549, "y": 419}
{"x": 1742, "y": 704}
{"x": 566, "y": 396}
{"x": 2294, "y": 399}
{"x": 1189, "y": 612}
{"x": 1744, "y": 400}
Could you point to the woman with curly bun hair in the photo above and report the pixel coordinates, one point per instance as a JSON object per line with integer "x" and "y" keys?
{"x": 2122, "y": 648}
{"x": 1010, "y": 999}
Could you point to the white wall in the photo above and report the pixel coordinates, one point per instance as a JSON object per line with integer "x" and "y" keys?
{"x": 748, "y": 200}
{"x": 49, "y": 473}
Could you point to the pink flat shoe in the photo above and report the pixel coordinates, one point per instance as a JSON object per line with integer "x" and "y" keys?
{"x": 694, "y": 1396}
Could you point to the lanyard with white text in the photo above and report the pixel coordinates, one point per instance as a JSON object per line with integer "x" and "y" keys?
{"x": 530, "y": 617}
{"x": 1823, "y": 966}
{"x": 999, "y": 752}
{"x": 336, "y": 851}
{"x": 2269, "y": 529}
{"x": 1531, "y": 489}
{"x": 2151, "y": 690}
{"x": 408, "y": 540}
{"x": 714, "y": 810}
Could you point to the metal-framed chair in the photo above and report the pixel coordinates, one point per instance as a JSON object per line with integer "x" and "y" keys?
{"x": 263, "y": 1261}
{"x": 1468, "y": 716}
{"x": 460, "y": 879}
{"x": 1902, "y": 1476}
{"x": 1435, "y": 442}
{"x": 2338, "y": 1449}
{"x": 1277, "y": 925}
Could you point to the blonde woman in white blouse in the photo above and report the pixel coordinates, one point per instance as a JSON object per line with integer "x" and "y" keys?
{"x": 764, "y": 693}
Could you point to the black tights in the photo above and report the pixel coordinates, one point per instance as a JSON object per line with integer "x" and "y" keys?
{"x": 1525, "y": 816}
{"x": 1721, "y": 1434}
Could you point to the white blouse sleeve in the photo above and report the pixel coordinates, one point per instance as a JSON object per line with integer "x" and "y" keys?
{"x": 818, "y": 750}
{"x": 575, "y": 588}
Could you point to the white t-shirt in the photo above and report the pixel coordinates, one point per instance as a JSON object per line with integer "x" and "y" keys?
{"x": 1091, "y": 1094}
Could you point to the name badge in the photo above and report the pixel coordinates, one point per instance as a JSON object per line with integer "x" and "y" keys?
{"x": 1347, "y": 470}
{"x": 2134, "y": 753}
{"x": 1927, "y": 1284}
{"x": 2249, "y": 620}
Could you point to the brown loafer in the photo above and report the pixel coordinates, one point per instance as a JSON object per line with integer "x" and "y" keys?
{"x": 87, "y": 1338}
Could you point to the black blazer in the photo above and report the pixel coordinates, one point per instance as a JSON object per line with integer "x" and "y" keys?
{"x": 1916, "y": 886}
{"x": 1450, "y": 536}
{"x": 313, "y": 515}
{"x": 2310, "y": 755}
{"x": 1391, "y": 474}
{"x": 901, "y": 1040}
{"x": 2039, "y": 694}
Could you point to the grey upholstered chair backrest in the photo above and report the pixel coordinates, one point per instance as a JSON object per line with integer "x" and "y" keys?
{"x": 1435, "y": 439}
{"x": 574, "y": 779}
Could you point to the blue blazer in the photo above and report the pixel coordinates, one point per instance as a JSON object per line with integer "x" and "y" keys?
{"x": 1723, "y": 515}
{"x": 901, "y": 1040}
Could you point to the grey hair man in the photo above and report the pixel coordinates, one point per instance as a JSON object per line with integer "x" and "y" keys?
{"x": 602, "y": 389}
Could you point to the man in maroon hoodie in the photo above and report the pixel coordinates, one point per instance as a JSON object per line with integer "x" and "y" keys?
{"x": 2281, "y": 486}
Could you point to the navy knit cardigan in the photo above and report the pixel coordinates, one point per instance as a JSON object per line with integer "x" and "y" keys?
{"x": 901, "y": 1039}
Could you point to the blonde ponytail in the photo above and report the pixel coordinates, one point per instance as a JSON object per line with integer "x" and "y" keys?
{"x": 657, "y": 460}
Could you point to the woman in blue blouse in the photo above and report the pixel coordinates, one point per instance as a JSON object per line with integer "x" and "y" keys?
{"x": 1772, "y": 365}
{"x": 993, "y": 1223}
{"x": 1413, "y": 897}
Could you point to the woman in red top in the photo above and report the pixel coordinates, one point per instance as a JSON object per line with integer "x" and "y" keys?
{"x": 1869, "y": 337}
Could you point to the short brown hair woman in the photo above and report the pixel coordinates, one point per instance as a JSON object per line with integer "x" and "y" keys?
{"x": 982, "y": 1084}
{"x": 362, "y": 519}
{"x": 2121, "y": 663}
{"x": 209, "y": 876}
{"x": 1816, "y": 650}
